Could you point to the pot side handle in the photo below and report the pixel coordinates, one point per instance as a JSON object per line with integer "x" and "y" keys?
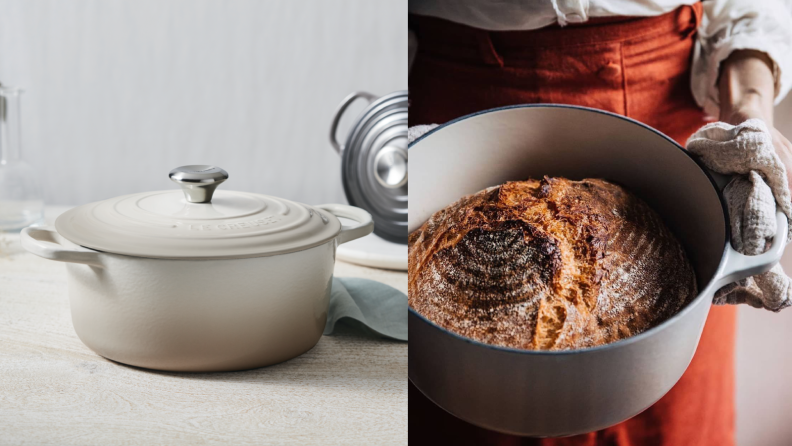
{"x": 348, "y": 233}
{"x": 47, "y": 243}
{"x": 340, "y": 112}
{"x": 738, "y": 266}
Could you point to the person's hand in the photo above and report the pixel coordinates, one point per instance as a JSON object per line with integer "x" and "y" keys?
{"x": 747, "y": 90}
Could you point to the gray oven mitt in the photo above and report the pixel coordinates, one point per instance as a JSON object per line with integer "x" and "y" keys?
{"x": 759, "y": 184}
{"x": 371, "y": 306}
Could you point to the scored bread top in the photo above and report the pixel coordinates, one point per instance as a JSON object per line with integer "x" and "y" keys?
{"x": 548, "y": 264}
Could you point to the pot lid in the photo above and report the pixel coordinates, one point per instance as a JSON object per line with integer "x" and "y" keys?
{"x": 197, "y": 222}
{"x": 374, "y": 165}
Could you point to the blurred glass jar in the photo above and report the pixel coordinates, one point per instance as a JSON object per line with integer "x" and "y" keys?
{"x": 20, "y": 197}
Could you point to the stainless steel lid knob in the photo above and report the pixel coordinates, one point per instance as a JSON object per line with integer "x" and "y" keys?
{"x": 198, "y": 182}
{"x": 390, "y": 167}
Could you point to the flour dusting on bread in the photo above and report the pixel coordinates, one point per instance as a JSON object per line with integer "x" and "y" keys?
{"x": 548, "y": 264}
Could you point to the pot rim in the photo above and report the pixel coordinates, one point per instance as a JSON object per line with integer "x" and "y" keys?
{"x": 706, "y": 291}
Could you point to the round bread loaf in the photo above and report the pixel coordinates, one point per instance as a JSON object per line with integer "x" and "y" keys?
{"x": 548, "y": 265}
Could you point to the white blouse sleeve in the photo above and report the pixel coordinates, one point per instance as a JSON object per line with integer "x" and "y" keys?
{"x": 729, "y": 25}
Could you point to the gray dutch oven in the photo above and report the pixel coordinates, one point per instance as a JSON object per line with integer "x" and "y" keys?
{"x": 559, "y": 393}
{"x": 374, "y": 161}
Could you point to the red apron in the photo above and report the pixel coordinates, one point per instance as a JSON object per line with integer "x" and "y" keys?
{"x": 638, "y": 67}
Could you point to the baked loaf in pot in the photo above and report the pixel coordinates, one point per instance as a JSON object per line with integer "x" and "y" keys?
{"x": 552, "y": 264}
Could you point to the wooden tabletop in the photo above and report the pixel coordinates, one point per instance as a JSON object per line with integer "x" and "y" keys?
{"x": 349, "y": 389}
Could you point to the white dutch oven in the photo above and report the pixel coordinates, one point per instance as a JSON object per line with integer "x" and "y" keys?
{"x": 557, "y": 393}
{"x": 198, "y": 281}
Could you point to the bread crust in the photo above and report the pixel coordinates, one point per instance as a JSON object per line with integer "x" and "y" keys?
{"x": 548, "y": 264}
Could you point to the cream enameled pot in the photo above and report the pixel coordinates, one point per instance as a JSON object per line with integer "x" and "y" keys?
{"x": 198, "y": 280}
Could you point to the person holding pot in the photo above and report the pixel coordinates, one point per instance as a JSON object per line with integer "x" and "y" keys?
{"x": 668, "y": 63}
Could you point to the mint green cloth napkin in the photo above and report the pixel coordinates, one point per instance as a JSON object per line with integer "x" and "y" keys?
{"x": 369, "y": 306}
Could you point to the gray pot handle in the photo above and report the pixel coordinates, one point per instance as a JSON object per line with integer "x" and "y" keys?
{"x": 738, "y": 266}
{"x": 340, "y": 112}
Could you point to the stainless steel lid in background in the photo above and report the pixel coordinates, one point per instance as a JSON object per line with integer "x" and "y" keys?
{"x": 374, "y": 161}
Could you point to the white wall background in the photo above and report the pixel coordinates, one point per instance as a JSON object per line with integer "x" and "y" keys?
{"x": 120, "y": 92}
{"x": 764, "y": 357}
